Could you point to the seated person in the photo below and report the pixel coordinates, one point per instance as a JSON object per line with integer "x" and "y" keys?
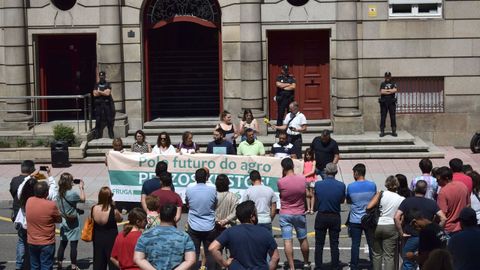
{"x": 251, "y": 147}
{"x": 219, "y": 145}
{"x": 187, "y": 146}
{"x": 283, "y": 148}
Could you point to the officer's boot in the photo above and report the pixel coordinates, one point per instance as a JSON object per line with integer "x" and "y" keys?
{"x": 394, "y": 132}
{"x": 382, "y": 132}
{"x": 110, "y": 132}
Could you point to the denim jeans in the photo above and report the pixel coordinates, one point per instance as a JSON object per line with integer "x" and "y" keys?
{"x": 321, "y": 173}
{"x": 41, "y": 257}
{"x": 355, "y": 230}
{"x": 22, "y": 252}
{"x": 411, "y": 245}
{"x": 332, "y": 223}
{"x": 206, "y": 238}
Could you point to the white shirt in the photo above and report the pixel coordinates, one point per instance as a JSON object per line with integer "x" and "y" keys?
{"x": 297, "y": 122}
{"x": 475, "y": 204}
{"x": 170, "y": 151}
{"x": 390, "y": 203}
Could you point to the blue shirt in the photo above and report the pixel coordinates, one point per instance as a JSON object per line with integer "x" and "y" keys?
{"x": 329, "y": 194}
{"x": 153, "y": 184}
{"x": 359, "y": 194}
{"x": 464, "y": 249}
{"x": 201, "y": 200}
{"x": 164, "y": 246}
{"x": 249, "y": 245}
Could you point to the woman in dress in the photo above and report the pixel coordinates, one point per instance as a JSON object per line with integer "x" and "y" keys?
{"x": 105, "y": 218}
{"x": 226, "y": 125}
{"x": 140, "y": 145}
{"x": 248, "y": 122}
{"x": 70, "y": 227}
{"x": 187, "y": 146}
{"x": 164, "y": 145}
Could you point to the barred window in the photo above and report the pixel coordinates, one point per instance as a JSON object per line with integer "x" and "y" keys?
{"x": 420, "y": 94}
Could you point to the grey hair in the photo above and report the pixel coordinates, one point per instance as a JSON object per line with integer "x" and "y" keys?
{"x": 331, "y": 169}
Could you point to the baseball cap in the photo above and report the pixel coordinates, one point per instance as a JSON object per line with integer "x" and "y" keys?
{"x": 285, "y": 67}
{"x": 468, "y": 216}
{"x": 388, "y": 74}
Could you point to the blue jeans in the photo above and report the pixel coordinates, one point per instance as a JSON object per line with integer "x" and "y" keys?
{"x": 355, "y": 231}
{"x": 411, "y": 245}
{"x": 41, "y": 257}
{"x": 267, "y": 226}
{"x": 321, "y": 173}
{"x": 21, "y": 245}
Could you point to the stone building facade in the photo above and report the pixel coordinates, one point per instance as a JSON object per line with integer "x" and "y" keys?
{"x": 337, "y": 50}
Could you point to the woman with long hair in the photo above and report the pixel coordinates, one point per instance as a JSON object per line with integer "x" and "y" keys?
{"x": 248, "y": 121}
{"x": 226, "y": 203}
{"x": 164, "y": 145}
{"x": 105, "y": 218}
{"x": 227, "y": 125}
{"x": 70, "y": 227}
{"x": 386, "y": 235}
{"x": 475, "y": 196}
{"x": 140, "y": 145}
{"x": 124, "y": 247}
{"x": 403, "y": 189}
{"x": 187, "y": 146}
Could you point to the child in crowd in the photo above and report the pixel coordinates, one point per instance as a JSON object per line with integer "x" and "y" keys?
{"x": 153, "y": 217}
{"x": 311, "y": 177}
{"x": 124, "y": 247}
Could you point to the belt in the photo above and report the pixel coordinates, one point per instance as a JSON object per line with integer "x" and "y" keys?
{"x": 329, "y": 213}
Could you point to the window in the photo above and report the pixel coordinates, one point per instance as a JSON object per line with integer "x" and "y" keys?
{"x": 415, "y": 8}
{"x": 420, "y": 94}
{"x": 64, "y": 4}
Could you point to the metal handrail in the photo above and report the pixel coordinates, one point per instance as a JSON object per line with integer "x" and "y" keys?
{"x": 33, "y": 111}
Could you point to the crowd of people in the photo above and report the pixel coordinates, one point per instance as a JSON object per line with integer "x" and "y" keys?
{"x": 433, "y": 222}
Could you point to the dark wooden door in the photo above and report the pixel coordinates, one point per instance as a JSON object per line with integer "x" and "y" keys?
{"x": 307, "y": 54}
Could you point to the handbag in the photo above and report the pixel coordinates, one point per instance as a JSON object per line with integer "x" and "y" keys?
{"x": 87, "y": 230}
{"x": 370, "y": 219}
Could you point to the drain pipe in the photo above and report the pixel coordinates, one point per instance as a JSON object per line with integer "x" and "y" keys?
{"x": 26, "y": 5}
{"x": 121, "y": 3}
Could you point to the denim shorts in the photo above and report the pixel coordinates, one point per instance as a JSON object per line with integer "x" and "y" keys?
{"x": 289, "y": 222}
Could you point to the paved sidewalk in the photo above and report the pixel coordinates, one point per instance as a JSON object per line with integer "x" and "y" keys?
{"x": 96, "y": 175}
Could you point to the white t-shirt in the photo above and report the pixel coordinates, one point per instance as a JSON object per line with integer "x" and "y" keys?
{"x": 170, "y": 150}
{"x": 475, "y": 204}
{"x": 390, "y": 203}
{"x": 263, "y": 197}
{"x": 297, "y": 122}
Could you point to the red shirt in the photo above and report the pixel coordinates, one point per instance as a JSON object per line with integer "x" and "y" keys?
{"x": 467, "y": 180}
{"x": 451, "y": 200}
{"x": 292, "y": 194}
{"x": 124, "y": 248}
{"x": 41, "y": 215}
{"x": 167, "y": 197}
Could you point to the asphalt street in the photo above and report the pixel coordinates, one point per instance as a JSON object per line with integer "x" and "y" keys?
{"x": 8, "y": 239}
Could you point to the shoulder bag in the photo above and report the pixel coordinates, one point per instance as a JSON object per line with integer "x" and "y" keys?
{"x": 370, "y": 219}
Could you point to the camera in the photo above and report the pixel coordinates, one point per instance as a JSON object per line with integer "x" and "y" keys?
{"x": 76, "y": 181}
{"x": 44, "y": 168}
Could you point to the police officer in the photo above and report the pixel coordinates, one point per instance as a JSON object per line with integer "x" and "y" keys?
{"x": 388, "y": 103}
{"x": 104, "y": 107}
{"x": 285, "y": 93}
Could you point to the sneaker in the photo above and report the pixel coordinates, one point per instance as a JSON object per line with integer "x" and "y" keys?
{"x": 307, "y": 266}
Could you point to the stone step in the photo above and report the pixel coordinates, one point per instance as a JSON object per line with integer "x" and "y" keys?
{"x": 193, "y": 123}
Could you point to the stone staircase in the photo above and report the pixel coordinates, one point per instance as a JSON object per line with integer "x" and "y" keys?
{"x": 365, "y": 146}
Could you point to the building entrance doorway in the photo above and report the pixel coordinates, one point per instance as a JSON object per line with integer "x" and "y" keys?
{"x": 307, "y": 52}
{"x": 182, "y": 58}
{"x": 67, "y": 66}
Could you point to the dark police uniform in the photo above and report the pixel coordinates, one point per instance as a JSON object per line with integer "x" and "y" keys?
{"x": 388, "y": 103}
{"x": 284, "y": 97}
{"x": 104, "y": 111}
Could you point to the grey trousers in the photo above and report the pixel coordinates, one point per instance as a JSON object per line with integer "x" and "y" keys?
{"x": 384, "y": 246}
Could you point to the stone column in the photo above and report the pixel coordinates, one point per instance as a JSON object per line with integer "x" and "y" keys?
{"x": 347, "y": 117}
{"x": 251, "y": 55}
{"x": 2, "y": 65}
{"x": 16, "y": 66}
{"x": 110, "y": 58}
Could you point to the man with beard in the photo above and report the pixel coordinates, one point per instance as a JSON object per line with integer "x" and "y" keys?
{"x": 219, "y": 144}
{"x": 248, "y": 244}
{"x": 104, "y": 106}
{"x": 283, "y": 148}
{"x": 326, "y": 151}
{"x": 251, "y": 146}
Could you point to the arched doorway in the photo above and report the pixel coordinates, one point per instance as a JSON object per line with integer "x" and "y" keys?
{"x": 182, "y": 58}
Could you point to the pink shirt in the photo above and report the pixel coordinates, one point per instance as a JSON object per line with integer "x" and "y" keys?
{"x": 452, "y": 198}
{"x": 308, "y": 167}
{"x": 292, "y": 194}
{"x": 467, "y": 180}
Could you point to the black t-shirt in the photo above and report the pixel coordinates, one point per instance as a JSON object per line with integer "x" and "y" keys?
{"x": 427, "y": 206}
{"x": 14, "y": 184}
{"x": 284, "y": 79}
{"x": 431, "y": 237}
{"x": 324, "y": 154}
{"x": 388, "y": 85}
{"x": 103, "y": 87}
